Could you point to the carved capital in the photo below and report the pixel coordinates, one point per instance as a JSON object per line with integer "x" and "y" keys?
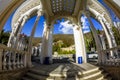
{"x": 40, "y": 12}
{"x": 99, "y": 17}
{"x": 25, "y": 17}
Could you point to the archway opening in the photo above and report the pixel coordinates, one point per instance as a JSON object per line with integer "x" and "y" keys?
{"x": 63, "y": 40}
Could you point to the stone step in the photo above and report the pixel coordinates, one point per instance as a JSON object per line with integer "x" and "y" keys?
{"x": 107, "y": 78}
{"x": 39, "y": 77}
{"x": 66, "y": 72}
{"x": 53, "y": 74}
{"x": 36, "y": 77}
{"x": 39, "y": 72}
{"x": 97, "y": 77}
{"x": 91, "y": 74}
{"x": 26, "y": 78}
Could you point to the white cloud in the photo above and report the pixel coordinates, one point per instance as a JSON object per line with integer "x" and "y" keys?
{"x": 83, "y": 19}
{"x": 66, "y": 28}
{"x": 86, "y": 31}
{"x": 85, "y": 24}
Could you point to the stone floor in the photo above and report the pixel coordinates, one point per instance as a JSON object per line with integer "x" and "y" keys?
{"x": 58, "y": 68}
{"x": 64, "y": 71}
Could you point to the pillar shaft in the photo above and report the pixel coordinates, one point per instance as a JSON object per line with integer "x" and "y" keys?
{"x": 50, "y": 41}
{"x": 19, "y": 31}
{"x": 30, "y": 40}
{"x": 16, "y": 36}
{"x": 107, "y": 35}
{"x": 16, "y": 32}
{"x": 47, "y": 41}
{"x": 103, "y": 42}
{"x": 97, "y": 41}
{"x": 80, "y": 48}
{"x": 111, "y": 34}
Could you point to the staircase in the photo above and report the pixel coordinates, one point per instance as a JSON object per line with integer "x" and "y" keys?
{"x": 67, "y": 71}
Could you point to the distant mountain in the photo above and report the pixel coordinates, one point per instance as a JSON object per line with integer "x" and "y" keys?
{"x": 67, "y": 39}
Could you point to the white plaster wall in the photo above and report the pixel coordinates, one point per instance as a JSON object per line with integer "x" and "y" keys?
{"x": 117, "y": 2}
{"x": 4, "y": 4}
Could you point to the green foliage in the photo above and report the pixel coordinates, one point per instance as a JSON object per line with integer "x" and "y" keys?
{"x": 67, "y": 39}
{"x": 116, "y": 35}
{"x": 89, "y": 41}
{"x": 35, "y": 41}
{"x": 57, "y": 47}
{"x": 4, "y": 36}
{"x": 67, "y": 52}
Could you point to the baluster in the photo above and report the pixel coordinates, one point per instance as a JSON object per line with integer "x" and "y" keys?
{"x": 1, "y": 54}
{"x": 18, "y": 60}
{"x": 9, "y": 60}
{"x": 21, "y": 61}
{"x": 32, "y": 51}
{"x": 14, "y": 60}
{"x": 25, "y": 62}
{"x": 35, "y": 52}
{"x": 4, "y": 61}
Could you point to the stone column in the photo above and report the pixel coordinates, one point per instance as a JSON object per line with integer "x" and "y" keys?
{"x": 12, "y": 38}
{"x": 78, "y": 38}
{"x": 102, "y": 38}
{"x": 19, "y": 31}
{"x": 83, "y": 45}
{"x": 112, "y": 38}
{"x": 14, "y": 30}
{"x": 31, "y": 37}
{"x": 107, "y": 34}
{"x": 46, "y": 51}
{"x": 50, "y": 42}
{"x": 17, "y": 36}
{"x": 97, "y": 41}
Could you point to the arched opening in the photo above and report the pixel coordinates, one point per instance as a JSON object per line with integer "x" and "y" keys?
{"x": 39, "y": 19}
{"x": 63, "y": 40}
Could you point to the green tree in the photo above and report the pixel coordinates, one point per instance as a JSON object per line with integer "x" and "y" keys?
{"x": 4, "y": 36}
{"x": 89, "y": 41}
{"x": 116, "y": 35}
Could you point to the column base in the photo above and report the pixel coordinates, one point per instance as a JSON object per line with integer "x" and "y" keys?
{"x": 47, "y": 60}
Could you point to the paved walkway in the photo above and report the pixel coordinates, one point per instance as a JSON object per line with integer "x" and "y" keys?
{"x": 64, "y": 69}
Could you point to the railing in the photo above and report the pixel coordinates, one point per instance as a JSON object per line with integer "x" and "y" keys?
{"x": 36, "y": 53}
{"x": 11, "y": 59}
{"x": 113, "y": 60}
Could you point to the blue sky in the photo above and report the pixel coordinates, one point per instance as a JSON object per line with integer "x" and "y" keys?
{"x": 62, "y": 27}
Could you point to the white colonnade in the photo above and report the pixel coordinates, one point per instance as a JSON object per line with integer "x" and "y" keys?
{"x": 106, "y": 27}
{"x": 97, "y": 41}
{"x": 39, "y": 13}
{"x": 46, "y": 56}
{"x": 79, "y": 44}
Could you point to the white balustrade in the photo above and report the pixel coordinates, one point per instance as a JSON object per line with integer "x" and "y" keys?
{"x": 11, "y": 59}
{"x": 112, "y": 60}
